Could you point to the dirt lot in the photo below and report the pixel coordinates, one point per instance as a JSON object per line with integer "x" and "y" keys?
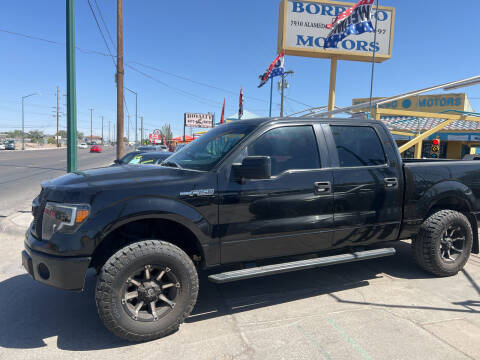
{"x": 377, "y": 309}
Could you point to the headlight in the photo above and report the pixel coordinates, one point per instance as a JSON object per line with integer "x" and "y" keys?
{"x": 62, "y": 217}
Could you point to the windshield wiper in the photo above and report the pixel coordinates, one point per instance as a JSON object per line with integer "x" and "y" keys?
{"x": 170, "y": 164}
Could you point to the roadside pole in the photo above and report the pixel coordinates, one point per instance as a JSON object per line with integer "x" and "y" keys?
{"x": 102, "y": 130}
{"x": 57, "y": 120}
{"x": 141, "y": 130}
{"x": 271, "y": 93}
{"x": 281, "y": 100}
{"x": 333, "y": 81}
{"x": 109, "y": 138}
{"x": 71, "y": 90}
{"x": 91, "y": 126}
{"x": 120, "y": 129}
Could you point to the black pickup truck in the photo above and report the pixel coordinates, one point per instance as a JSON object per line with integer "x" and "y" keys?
{"x": 242, "y": 193}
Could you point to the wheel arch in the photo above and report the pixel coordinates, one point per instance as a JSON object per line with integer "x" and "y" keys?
{"x": 461, "y": 205}
{"x": 167, "y": 227}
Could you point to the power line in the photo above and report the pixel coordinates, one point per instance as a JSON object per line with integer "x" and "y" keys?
{"x": 180, "y": 91}
{"x": 32, "y": 37}
{"x": 101, "y": 32}
{"x": 195, "y": 81}
{"x": 298, "y": 102}
{"x": 105, "y": 25}
{"x": 89, "y": 51}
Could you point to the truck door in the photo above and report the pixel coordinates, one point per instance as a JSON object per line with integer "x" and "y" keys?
{"x": 290, "y": 213}
{"x": 367, "y": 185}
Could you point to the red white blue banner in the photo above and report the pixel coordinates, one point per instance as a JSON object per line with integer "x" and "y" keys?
{"x": 353, "y": 21}
{"x": 276, "y": 68}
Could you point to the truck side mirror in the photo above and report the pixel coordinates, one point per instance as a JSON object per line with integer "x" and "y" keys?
{"x": 253, "y": 167}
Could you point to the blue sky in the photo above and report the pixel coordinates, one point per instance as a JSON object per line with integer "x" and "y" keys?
{"x": 225, "y": 44}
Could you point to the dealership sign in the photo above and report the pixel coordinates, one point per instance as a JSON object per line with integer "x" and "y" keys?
{"x": 302, "y": 31}
{"x": 155, "y": 137}
{"x": 197, "y": 120}
{"x": 426, "y": 103}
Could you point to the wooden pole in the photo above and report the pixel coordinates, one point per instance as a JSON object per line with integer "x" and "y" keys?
{"x": 333, "y": 81}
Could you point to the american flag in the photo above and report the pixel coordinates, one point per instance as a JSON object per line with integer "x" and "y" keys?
{"x": 276, "y": 68}
{"x": 353, "y": 21}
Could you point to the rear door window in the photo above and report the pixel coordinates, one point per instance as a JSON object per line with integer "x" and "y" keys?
{"x": 358, "y": 146}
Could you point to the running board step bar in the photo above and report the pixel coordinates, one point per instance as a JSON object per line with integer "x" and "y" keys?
{"x": 299, "y": 265}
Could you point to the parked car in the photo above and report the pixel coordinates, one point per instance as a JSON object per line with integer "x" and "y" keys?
{"x": 471, "y": 157}
{"x": 95, "y": 148}
{"x": 151, "y": 158}
{"x": 257, "y": 190}
{"x": 126, "y": 158}
{"x": 83, "y": 146}
{"x": 10, "y": 145}
{"x": 2, "y": 146}
{"x": 145, "y": 148}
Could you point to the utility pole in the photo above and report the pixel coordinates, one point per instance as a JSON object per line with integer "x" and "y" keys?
{"x": 91, "y": 125}
{"x": 114, "y": 133}
{"x": 102, "y": 129}
{"x": 23, "y": 118}
{"x": 71, "y": 90}
{"x": 281, "y": 101}
{"x": 109, "y": 138}
{"x": 141, "y": 130}
{"x": 128, "y": 131}
{"x": 283, "y": 85}
{"x": 136, "y": 114}
{"x": 120, "y": 129}
{"x": 58, "y": 145}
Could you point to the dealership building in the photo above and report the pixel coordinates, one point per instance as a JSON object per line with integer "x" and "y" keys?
{"x": 457, "y": 139}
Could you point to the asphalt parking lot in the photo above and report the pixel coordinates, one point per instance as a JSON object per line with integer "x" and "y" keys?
{"x": 378, "y": 309}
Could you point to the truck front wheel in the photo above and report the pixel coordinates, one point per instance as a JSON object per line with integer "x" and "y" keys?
{"x": 146, "y": 290}
{"x": 444, "y": 242}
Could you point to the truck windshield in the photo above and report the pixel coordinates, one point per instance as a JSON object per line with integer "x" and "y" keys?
{"x": 205, "y": 152}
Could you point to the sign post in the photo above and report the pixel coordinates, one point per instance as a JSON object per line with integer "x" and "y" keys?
{"x": 333, "y": 82}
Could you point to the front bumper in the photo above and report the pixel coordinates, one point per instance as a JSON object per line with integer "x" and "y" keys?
{"x": 61, "y": 272}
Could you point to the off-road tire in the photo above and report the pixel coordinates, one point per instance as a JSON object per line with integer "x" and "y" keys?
{"x": 116, "y": 272}
{"x": 427, "y": 244}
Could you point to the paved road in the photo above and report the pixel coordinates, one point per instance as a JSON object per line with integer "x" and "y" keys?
{"x": 21, "y": 173}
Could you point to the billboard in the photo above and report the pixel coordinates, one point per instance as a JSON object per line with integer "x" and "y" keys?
{"x": 197, "y": 120}
{"x": 425, "y": 103}
{"x": 302, "y": 31}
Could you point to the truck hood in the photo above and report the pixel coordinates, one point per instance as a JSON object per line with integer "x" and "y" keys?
{"x": 118, "y": 176}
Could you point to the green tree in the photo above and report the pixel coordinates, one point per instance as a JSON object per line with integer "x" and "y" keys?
{"x": 35, "y": 135}
{"x": 15, "y": 134}
{"x": 79, "y": 135}
{"x": 166, "y": 132}
{"x": 51, "y": 140}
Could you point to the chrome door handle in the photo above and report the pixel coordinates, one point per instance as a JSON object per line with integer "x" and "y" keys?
{"x": 323, "y": 187}
{"x": 391, "y": 182}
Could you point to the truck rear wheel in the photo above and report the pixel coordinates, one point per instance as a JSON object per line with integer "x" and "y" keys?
{"x": 444, "y": 242}
{"x": 146, "y": 290}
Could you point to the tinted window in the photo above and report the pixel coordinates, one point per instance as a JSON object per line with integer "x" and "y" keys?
{"x": 205, "y": 152}
{"x": 289, "y": 148}
{"x": 358, "y": 146}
